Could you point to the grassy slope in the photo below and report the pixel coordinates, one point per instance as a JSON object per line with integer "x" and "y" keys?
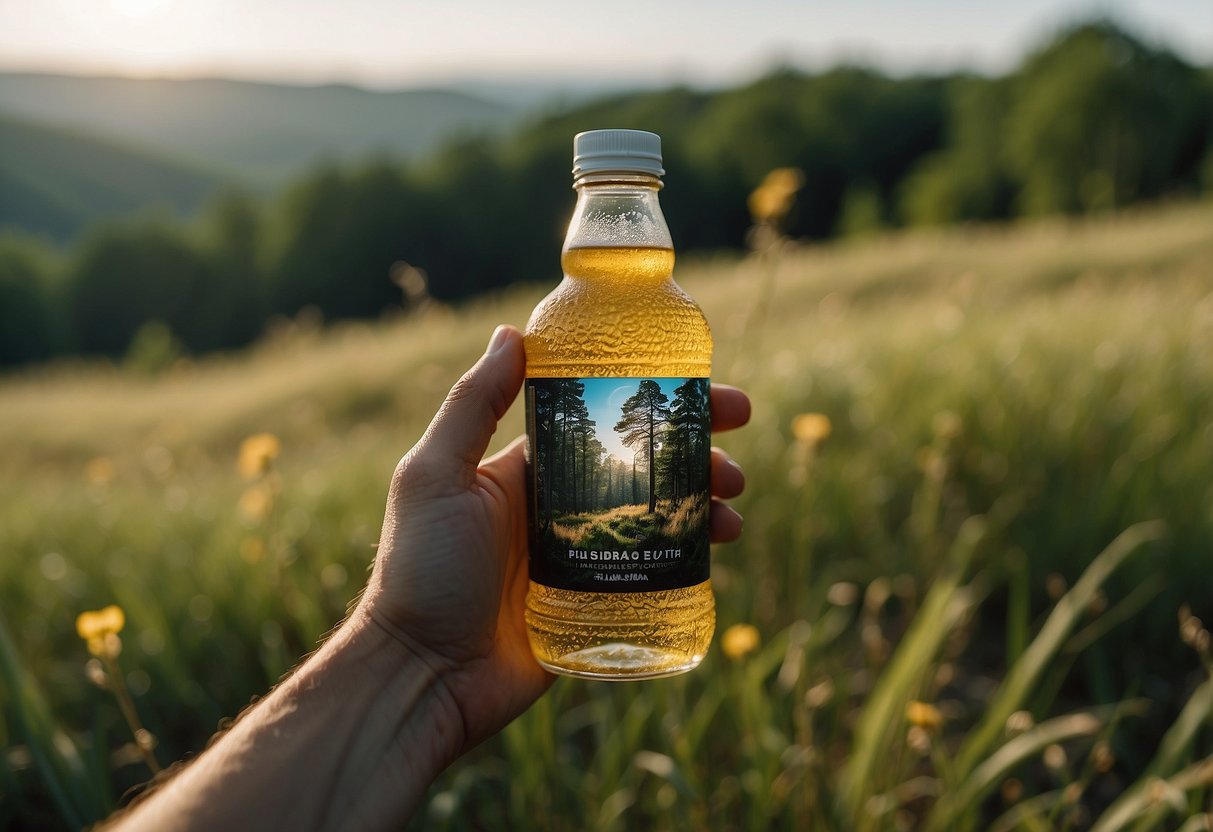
{"x": 55, "y": 181}
{"x": 1066, "y": 368}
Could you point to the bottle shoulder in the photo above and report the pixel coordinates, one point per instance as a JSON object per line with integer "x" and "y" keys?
{"x": 585, "y": 328}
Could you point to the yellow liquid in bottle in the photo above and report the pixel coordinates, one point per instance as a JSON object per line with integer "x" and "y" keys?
{"x": 619, "y": 313}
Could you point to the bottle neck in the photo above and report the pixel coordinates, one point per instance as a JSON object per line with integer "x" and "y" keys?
{"x": 617, "y": 211}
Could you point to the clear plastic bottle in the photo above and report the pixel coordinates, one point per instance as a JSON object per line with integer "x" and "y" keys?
{"x": 618, "y": 426}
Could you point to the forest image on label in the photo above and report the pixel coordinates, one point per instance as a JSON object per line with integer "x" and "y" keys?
{"x": 620, "y": 464}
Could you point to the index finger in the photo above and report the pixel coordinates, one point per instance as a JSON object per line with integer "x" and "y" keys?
{"x": 730, "y": 407}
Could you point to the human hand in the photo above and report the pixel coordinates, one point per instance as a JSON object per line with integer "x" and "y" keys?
{"x": 434, "y": 659}
{"x": 450, "y": 580}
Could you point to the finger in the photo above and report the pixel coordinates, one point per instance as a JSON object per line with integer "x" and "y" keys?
{"x": 730, "y": 407}
{"x": 510, "y": 457}
{"x": 728, "y": 480}
{"x": 724, "y": 524}
{"x": 457, "y": 438}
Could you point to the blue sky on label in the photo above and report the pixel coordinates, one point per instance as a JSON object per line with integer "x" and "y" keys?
{"x": 604, "y": 398}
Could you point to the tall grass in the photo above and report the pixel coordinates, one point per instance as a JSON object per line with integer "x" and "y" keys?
{"x": 966, "y": 614}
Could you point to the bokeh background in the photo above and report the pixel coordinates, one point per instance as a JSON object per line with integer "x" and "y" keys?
{"x": 960, "y": 254}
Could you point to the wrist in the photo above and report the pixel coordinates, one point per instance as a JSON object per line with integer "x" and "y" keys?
{"x": 402, "y": 673}
{"x": 408, "y": 728}
{"x": 351, "y": 740}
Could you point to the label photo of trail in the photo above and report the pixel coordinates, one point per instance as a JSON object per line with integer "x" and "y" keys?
{"x": 619, "y": 477}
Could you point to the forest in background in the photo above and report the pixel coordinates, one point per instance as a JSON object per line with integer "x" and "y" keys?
{"x": 1090, "y": 122}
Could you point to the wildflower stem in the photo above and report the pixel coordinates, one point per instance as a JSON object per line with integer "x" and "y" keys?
{"x": 127, "y": 706}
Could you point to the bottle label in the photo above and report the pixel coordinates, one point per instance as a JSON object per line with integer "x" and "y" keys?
{"x": 618, "y": 491}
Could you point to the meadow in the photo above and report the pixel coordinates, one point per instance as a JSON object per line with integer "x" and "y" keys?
{"x": 629, "y": 525}
{"x": 970, "y": 593}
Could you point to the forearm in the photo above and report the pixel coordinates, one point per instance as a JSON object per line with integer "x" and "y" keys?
{"x": 351, "y": 740}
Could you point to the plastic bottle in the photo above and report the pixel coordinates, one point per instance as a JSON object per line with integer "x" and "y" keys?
{"x": 618, "y": 428}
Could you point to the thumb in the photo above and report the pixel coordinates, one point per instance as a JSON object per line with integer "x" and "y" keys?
{"x": 457, "y": 438}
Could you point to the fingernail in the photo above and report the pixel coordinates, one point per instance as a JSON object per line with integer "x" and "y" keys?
{"x": 500, "y": 335}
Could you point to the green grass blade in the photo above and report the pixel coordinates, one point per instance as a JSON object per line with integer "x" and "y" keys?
{"x": 1174, "y": 746}
{"x": 1150, "y": 794}
{"x": 985, "y": 777}
{"x": 1015, "y": 689}
{"x": 1199, "y": 823}
{"x": 884, "y": 712}
{"x": 78, "y": 799}
{"x": 1019, "y": 606}
{"x": 1178, "y": 739}
{"x": 1030, "y": 810}
{"x": 1125, "y": 609}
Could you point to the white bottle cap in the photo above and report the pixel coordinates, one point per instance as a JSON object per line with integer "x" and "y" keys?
{"x": 617, "y": 151}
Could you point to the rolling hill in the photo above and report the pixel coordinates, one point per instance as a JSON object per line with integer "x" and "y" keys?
{"x": 54, "y": 182}
{"x": 263, "y": 133}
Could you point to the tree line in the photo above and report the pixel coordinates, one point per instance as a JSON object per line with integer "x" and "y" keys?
{"x": 1094, "y": 120}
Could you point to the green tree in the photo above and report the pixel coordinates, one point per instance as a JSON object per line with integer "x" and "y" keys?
{"x": 1099, "y": 119}
{"x": 645, "y": 414}
{"x": 969, "y": 180}
{"x": 580, "y": 429}
{"x": 124, "y": 276}
{"x": 564, "y": 444}
{"x": 685, "y": 444}
{"x": 233, "y": 226}
{"x": 233, "y": 234}
{"x": 339, "y": 234}
{"x": 28, "y": 329}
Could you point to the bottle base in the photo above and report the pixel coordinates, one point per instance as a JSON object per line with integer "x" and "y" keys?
{"x": 620, "y": 636}
{"x": 622, "y": 662}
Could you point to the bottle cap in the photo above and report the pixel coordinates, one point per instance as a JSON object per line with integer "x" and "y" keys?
{"x": 617, "y": 151}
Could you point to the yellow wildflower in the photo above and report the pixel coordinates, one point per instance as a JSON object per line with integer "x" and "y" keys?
{"x": 811, "y": 428}
{"x": 257, "y": 454}
{"x": 255, "y": 503}
{"x": 108, "y": 620}
{"x": 924, "y": 715}
{"x": 99, "y": 470}
{"x": 252, "y": 549}
{"x": 740, "y": 640}
{"x": 100, "y": 630}
{"x": 771, "y": 201}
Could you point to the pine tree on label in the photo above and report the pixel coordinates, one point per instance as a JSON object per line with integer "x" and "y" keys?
{"x": 644, "y": 416}
{"x": 683, "y": 456}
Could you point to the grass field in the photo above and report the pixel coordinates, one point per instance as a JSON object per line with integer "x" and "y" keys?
{"x": 630, "y": 525}
{"x": 952, "y": 607}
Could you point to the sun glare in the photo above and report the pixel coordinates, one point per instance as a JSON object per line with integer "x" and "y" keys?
{"x": 138, "y": 8}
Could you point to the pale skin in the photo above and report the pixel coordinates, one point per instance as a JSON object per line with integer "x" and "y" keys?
{"x": 432, "y": 661}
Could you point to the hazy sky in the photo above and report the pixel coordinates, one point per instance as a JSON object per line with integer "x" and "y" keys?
{"x": 400, "y": 43}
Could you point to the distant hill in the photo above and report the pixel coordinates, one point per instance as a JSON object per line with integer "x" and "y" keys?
{"x": 263, "y": 133}
{"x": 55, "y": 181}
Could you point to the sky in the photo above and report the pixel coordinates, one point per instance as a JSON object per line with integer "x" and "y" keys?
{"x": 604, "y": 398}
{"x": 402, "y": 43}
